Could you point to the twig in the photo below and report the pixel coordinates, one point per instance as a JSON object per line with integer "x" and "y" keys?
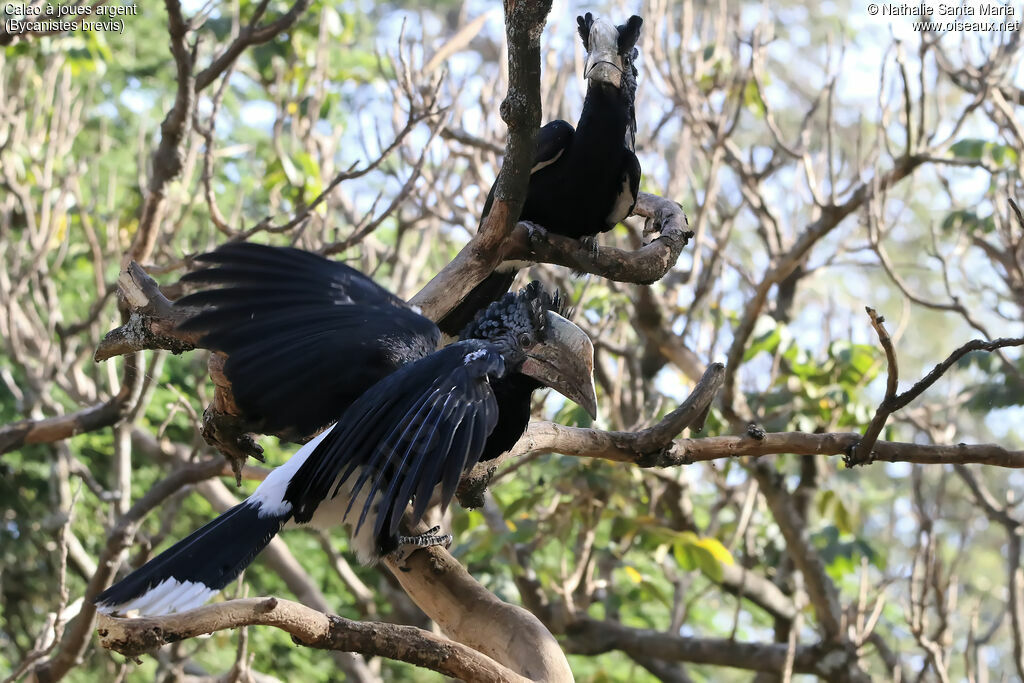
{"x": 861, "y": 453}
{"x": 250, "y": 35}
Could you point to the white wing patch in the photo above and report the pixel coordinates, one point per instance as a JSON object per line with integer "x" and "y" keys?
{"x": 269, "y": 495}
{"x": 548, "y": 162}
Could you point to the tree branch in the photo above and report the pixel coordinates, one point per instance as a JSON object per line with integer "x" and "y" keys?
{"x": 153, "y": 320}
{"x": 132, "y": 637}
{"x": 521, "y": 111}
{"x": 646, "y": 448}
{"x": 545, "y": 437}
{"x": 167, "y": 158}
{"x": 250, "y": 35}
{"x": 469, "y": 613}
{"x": 831, "y": 216}
{"x": 861, "y": 453}
{"x": 645, "y": 265}
{"x": 589, "y": 636}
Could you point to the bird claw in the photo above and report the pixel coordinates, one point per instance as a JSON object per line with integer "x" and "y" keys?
{"x": 407, "y": 545}
{"x": 589, "y": 242}
{"x": 536, "y": 233}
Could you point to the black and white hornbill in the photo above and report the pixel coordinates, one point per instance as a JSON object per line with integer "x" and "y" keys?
{"x": 583, "y": 181}
{"x": 310, "y": 342}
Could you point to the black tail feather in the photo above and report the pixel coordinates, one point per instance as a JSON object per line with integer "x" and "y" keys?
{"x": 192, "y": 570}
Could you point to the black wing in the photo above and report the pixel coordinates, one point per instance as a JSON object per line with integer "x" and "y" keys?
{"x": 305, "y": 336}
{"x": 553, "y": 140}
{"x": 420, "y": 427}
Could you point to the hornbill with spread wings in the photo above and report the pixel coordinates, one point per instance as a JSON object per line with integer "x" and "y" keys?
{"x": 311, "y": 342}
{"x": 583, "y": 181}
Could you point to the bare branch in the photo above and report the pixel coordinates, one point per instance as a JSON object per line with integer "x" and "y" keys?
{"x": 132, "y": 637}
{"x": 862, "y": 452}
{"x": 590, "y": 636}
{"x": 250, "y": 35}
{"x": 543, "y": 437}
{"x": 524, "y": 21}
{"x": 646, "y": 448}
{"x": 469, "y": 613}
{"x": 152, "y": 323}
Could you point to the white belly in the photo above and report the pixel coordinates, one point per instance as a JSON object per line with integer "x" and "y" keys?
{"x": 332, "y": 512}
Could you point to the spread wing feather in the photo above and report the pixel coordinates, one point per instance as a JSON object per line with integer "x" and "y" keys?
{"x": 417, "y": 428}
{"x": 305, "y": 336}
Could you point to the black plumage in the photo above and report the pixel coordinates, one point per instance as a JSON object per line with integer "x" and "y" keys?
{"x": 584, "y": 181}
{"x": 305, "y": 336}
{"x": 410, "y": 419}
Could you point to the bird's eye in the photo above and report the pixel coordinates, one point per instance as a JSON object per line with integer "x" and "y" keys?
{"x": 525, "y": 339}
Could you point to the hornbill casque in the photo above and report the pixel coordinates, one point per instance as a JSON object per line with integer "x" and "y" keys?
{"x": 583, "y": 181}
{"x": 311, "y": 342}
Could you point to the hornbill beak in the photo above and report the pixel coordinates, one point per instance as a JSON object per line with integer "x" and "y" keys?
{"x": 603, "y": 61}
{"x": 604, "y": 69}
{"x": 565, "y": 362}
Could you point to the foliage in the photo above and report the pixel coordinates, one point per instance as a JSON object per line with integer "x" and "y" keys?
{"x": 648, "y": 549}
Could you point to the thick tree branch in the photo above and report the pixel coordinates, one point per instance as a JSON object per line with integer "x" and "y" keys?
{"x": 521, "y": 111}
{"x": 470, "y": 614}
{"x": 589, "y": 636}
{"x": 132, "y": 637}
{"x": 545, "y": 437}
{"x": 645, "y": 265}
{"x": 153, "y": 320}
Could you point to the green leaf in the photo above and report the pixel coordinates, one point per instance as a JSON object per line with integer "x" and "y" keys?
{"x": 752, "y": 99}
{"x": 717, "y": 550}
{"x": 970, "y": 148}
{"x": 684, "y": 556}
{"x": 706, "y": 554}
{"x": 767, "y": 337}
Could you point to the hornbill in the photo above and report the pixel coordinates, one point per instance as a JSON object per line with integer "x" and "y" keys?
{"x": 310, "y": 342}
{"x": 583, "y": 181}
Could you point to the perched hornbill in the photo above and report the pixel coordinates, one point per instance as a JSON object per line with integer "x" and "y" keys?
{"x": 311, "y": 341}
{"x": 583, "y": 181}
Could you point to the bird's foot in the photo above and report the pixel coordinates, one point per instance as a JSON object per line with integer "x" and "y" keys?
{"x": 407, "y": 545}
{"x": 536, "y": 233}
{"x": 589, "y": 243}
